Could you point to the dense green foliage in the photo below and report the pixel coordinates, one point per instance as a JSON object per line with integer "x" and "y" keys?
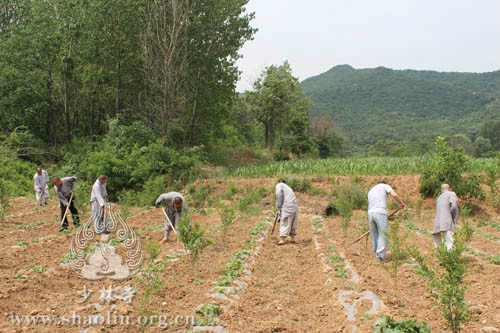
{"x": 405, "y": 105}
{"x": 447, "y": 165}
{"x": 278, "y": 105}
{"x": 151, "y": 61}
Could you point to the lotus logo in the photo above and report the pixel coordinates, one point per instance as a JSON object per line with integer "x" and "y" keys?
{"x": 96, "y": 255}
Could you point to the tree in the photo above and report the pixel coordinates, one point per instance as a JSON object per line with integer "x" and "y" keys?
{"x": 491, "y": 131}
{"x": 447, "y": 166}
{"x": 326, "y": 135}
{"x": 463, "y": 141}
{"x": 482, "y": 147}
{"x": 276, "y": 101}
{"x": 190, "y": 50}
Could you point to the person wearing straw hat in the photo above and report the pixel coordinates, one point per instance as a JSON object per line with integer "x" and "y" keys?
{"x": 98, "y": 203}
{"x": 288, "y": 211}
{"x": 41, "y": 179}
{"x": 175, "y": 203}
{"x": 65, "y": 188}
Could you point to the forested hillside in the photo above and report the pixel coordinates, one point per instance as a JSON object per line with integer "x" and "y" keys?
{"x": 384, "y": 104}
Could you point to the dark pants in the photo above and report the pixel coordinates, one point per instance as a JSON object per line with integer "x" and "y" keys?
{"x": 74, "y": 213}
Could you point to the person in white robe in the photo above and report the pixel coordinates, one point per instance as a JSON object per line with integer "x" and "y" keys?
{"x": 41, "y": 179}
{"x": 288, "y": 211}
{"x": 98, "y": 204}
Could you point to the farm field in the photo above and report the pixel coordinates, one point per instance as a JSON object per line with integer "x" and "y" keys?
{"x": 321, "y": 284}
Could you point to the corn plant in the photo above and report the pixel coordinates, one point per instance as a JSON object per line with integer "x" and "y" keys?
{"x": 348, "y": 166}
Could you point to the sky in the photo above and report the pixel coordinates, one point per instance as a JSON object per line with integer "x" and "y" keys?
{"x": 316, "y": 35}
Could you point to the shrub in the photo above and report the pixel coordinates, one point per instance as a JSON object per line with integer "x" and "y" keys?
{"x": 227, "y": 217}
{"x": 231, "y": 191}
{"x": 199, "y": 194}
{"x": 281, "y": 156}
{"x": 395, "y": 242}
{"x": 193, "y": 239}
{"x": 387, "y": 325}
{"x": 345, "y": 206}
{"x": 492, "y": 170}
{"x": 299, "y": 184}
{"x": 208, "y": 310}
{"x": 150, "y": 279}
{"x": 354, "y": 193}
{"x": 448, "y": 286}
{"x": 467, "y": 229}
{"x": 447, "y": 166}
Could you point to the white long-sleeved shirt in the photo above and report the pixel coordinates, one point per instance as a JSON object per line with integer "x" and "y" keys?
{"x": 41, "y": 180}
{"x": 99, "y": 193}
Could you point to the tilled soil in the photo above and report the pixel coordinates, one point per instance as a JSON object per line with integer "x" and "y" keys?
{"x": 290, "y": 288}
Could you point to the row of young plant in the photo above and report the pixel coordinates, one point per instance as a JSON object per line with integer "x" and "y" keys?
{"x": 227, "y": 282}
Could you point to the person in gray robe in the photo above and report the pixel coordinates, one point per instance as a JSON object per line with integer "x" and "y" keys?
{"x": 446, "y": 217}
{"x": 64, "y": 188}
{"x": 288, "y": 211}
{"x": 174, "y": 203}
{"x": 98, "y": 203}
{"x": 41, "y": 179}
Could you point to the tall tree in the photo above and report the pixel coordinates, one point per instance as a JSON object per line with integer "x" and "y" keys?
{"x": 277, "y": 100}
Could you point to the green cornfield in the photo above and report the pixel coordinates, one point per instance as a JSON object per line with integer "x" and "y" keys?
{"x": 346, "y": 166}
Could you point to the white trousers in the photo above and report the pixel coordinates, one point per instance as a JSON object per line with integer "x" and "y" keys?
{"x": 288, "y": 225}
{"x": 444, "y": 236}
{"x": 42, "y": 195}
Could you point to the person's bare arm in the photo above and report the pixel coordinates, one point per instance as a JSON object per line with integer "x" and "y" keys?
{"x": 398, "y": 199}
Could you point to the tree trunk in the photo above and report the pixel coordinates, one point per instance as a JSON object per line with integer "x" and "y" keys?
{"x": 271, "y": 133}
{"x": 92, "y": 118}
{"x": 66, "y": 109}
{"x": 193, "y": 115}
{"x": 51, "y": 124}
{"x": 117, "y": 87}
{"x": 266, "y": 132}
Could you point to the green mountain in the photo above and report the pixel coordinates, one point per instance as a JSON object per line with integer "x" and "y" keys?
{"x": 404, "y": 105}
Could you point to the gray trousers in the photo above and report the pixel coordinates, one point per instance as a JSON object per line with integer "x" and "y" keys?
{"x": 174, "y": 217}
{"x": 288, "y": 225}
{"x": 444, "y": 236}
{"x": 378, "y": 233}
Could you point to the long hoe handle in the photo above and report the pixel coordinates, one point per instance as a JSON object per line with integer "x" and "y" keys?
{"x": 67, "y": 208}
{"x": 366, "y": 233}
{"x": 274, "y": 225}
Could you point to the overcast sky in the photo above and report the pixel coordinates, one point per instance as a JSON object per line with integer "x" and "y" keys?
{"x": 315, "y": 35}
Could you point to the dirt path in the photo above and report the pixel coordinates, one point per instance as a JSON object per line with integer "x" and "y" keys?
{"x": 290, "y": 289}
{"x": 287, "y": 292}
